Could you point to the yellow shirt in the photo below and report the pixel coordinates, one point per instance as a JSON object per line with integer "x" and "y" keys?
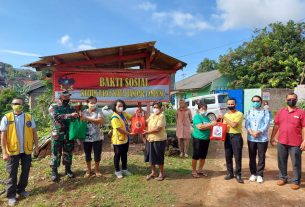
{"x": 155, "y": 121}
{"x": 117, "y": 122}
{"x": 235, "y": 117}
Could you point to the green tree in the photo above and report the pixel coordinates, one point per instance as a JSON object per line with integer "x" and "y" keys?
{"x": 6, "y": 97}
{"x": 206, "y": 65}
{"x": 274, "y": 58}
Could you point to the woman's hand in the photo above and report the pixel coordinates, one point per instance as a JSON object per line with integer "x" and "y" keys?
{"x": 145, "y": 132}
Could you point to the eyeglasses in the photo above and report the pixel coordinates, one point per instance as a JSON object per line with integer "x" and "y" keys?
{"x": 256, "y": 101}
{"x": 292, "y": 99}
{"x": 16, "y": 104}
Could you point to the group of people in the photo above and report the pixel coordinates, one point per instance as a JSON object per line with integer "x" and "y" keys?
{"x": 18, "y": 134}
{"x": 289, "y": 121}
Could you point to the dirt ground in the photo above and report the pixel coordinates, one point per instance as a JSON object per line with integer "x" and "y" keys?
{"x": 215, "y": 191}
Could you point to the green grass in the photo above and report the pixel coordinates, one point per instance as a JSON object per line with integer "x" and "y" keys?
{"x": 109, "y": 191}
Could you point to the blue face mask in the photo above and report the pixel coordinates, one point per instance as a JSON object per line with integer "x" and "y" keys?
{"x": 203, "y": 113}
{"x": 256, "y": 105}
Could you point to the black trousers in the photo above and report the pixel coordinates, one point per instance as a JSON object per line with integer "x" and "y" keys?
{"x": 260, "y": 149}
{"x": 12, "y": 166}
{"x": 97, "y": 150}
{"x": 233, "y": 146}
{"x": 120, "y": 153}
{"x": 283, "y": 151}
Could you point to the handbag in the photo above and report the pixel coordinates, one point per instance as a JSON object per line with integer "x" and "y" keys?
{"x": 77, "y": 129}
{"x": 218, "y": 132}
{"x": 137, "y": 124}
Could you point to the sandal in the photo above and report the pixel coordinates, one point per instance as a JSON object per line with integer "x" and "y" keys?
{"x": 195, "y": 175}
{"x": 150, "y": 176}
{"x": 202, "y": 173}
{"x": 160, "y": 178}
{"x": 87, "y": 175}
{"x": 98, "y": 174}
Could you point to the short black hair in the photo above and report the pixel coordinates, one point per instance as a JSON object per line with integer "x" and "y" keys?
{"x": 257, "y": 96}
{"x": 116, "y": 102}
{"x": 18, "y": 98}
{"x": 201, "y": 104}
{"x": 91, "y": 97}
{"x": 232, "y": 99}
{"x": 159, "y": 104}
{"x": 292, "y": 94}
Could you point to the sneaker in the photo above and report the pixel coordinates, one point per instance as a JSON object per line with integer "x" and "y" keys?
{"x": 181, "y": 154}
{"x": 186, "y": 155}
{"x": 24, "y": 194}
{"x": 126, "y": 172}
{"x": 252, "y": 178}
{"x": 259, "y": 179}
{"x": 118, "y": 174}
{"x": 87, "y": 175}
{"x": 12, "y": 201}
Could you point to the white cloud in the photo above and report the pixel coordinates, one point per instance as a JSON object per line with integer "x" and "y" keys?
{"x": 15, "y": 52}
{"x": 147, "y": 6}
{"x": 86, "y": 44}
{"x": 85, "y": 47}
{"x": 233, "y": 14}
{"x": 65, "y": 39}
{"x": 181, "y": 20}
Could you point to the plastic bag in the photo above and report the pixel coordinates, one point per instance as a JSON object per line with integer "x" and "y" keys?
{"x": 137, "y": 124}
{"x": 218, "y": 132}
{"x": 77, "y": 129}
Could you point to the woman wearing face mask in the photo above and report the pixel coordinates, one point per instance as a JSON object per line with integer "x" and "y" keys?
{"x": 201, "y": 139}
{"x": 95, "y": 118}
{"x": 120, "y": 137}
{"x": 156, "y": 142}
{"x": 183, "y": 133}
{"x": 257, "y": 125}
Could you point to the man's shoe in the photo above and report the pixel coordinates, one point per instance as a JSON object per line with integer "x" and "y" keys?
{"x": 239, "y": 179}
{"x": 24, "y": 194}
{"x": 69, "y": 172}
{"x": 295, "y": 186}
{"x": 55, "y": 176}
{"x": 12, "y": 201}
{"x": 281, "y": 182}
{"x": 229, "y": 176}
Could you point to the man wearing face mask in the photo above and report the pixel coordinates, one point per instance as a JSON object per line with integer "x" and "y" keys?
{"x": 17, "y": 138}
{"x": 234, "y": 141}
{"x": 290, "y": 122}
{"x": 61, "y": 113}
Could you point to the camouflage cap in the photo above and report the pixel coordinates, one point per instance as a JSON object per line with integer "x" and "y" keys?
{"x": 65, "y": 93}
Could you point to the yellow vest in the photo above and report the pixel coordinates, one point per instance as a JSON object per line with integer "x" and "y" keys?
{"x": 117, "y": 137}
{"x": 12, "y": 142}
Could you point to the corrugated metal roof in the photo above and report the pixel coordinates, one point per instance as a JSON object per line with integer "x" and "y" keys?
{"x": 125, "y": 56}
{"x": 198, "y": 80}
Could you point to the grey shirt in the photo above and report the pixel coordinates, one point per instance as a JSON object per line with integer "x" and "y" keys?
{"x": 93, "y": 130}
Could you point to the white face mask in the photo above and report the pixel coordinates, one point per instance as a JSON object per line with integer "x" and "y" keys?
{"x": 156, "y": 111}
{"x": 119, "y": 109}
{"x": 91, "y": 106}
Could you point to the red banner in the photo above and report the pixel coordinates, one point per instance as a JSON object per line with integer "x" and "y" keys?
{"x": 133, "y": 86}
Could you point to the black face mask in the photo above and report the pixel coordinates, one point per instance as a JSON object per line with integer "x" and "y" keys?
{"x": 65, "y": 102}
{"x": 231, "y": 108}
{"x": 292, "y": 103}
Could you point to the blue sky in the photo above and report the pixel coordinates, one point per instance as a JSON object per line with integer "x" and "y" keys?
{"x": 182, "y": 28}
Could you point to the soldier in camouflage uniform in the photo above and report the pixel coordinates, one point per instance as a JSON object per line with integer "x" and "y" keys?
{"x": 61, "y": 114}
